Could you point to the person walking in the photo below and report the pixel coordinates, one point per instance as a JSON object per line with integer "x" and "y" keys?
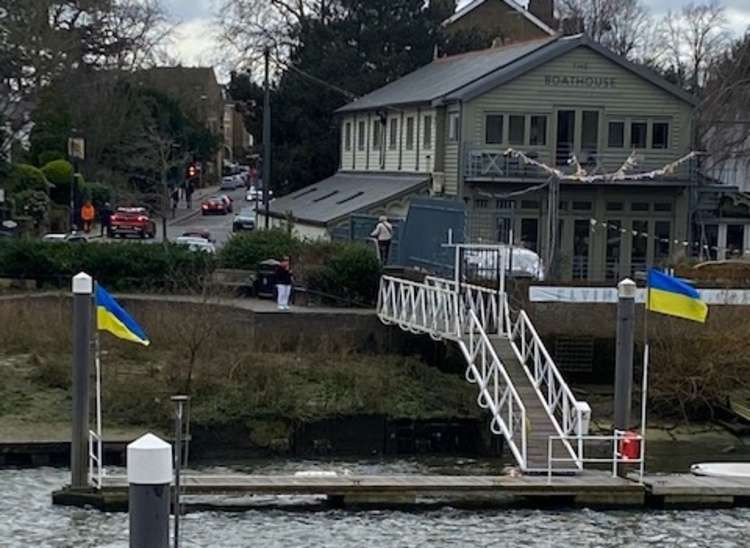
{"x": 188, "y": 193}
{"x": 105, "y": 215}
{"x": 175, "y": 200}
{"x": 88, "y": 214}
{"x": 383, "y": 233}
{"x": 283, "y": 284}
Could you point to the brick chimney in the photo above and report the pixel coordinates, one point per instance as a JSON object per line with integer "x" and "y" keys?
{"x": 544, "y": 10}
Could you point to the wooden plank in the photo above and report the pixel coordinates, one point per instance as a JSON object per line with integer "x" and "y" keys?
{"x": 691, "y": 485}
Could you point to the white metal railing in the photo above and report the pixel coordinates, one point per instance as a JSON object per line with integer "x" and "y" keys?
{"x": 556, "y": 396}
{"x": 484, "y": 301}
{"x": 96, "y": 466}
{"x": 496, "y": 390}
{"x": 418, "y": 307}
{"x": 616, "y": 458}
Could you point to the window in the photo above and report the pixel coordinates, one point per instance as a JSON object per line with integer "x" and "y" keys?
{"x": 638, "y": 247}
{"x": 530, "y": 234}
{"x": 376, "y": 127}
{"x": 348, "y": 136}
{"x": 453, "y": 126}
{"x": 615, "y": 206}
{"x": 538, "y": 131}
{"x": 664, "y": 207}
{"x": 361, "y": 136}
{"x": 582, "y": 206}
{"x": 481, "y": 203}
{"x": 505, "y": 204}
{"x": 590, "y": 132}
{"x": 516, "y": 130}
{"x": 529, "y": 204}
{"x": 427, "y": 132}
{"x": 616, "y": 135}
{"x": 660, "y": 135}
{"x": 638, "y": 132}
{"x": 639, "y": 206}
{"x": 614, "y": 246}
{"x": 581, "y": 235}
{"x": 393, "y": 137}
{"x": 503, "y": 229}
{"x": 735, "y": 241}
{"x": 493, "y": 129}
{"x": 563, "y": 206}
{"x": 410, "y": 133}
{"x": 663, "y": 235}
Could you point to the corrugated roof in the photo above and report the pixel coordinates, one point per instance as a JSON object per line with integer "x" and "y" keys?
{"x": 343, "y": 194}
{"x": 443, "y": 76}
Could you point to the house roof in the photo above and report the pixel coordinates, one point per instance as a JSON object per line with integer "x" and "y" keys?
{"x": 474, "y": 4}
{"x": 344, "y": 194}
{"x": 463, "y": 77}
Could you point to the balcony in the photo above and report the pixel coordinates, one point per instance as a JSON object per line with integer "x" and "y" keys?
{"x": 487, "y": 163}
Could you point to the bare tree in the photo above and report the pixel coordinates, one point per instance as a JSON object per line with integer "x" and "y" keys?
{"x": 692, "y": 40}
{"x": 621, "y": 25}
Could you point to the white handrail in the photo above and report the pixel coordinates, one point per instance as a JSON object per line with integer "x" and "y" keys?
{"x": 96, "y": 466}
{"x": 485, "y": 301}
{"x": 496, "y": 390}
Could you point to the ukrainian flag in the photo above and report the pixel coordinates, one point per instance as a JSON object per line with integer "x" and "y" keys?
{"x": 110, "y": 316}
{"x": 669, "y": 295}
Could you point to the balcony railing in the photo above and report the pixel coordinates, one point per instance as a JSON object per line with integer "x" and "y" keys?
{"x": 491, "y": 163}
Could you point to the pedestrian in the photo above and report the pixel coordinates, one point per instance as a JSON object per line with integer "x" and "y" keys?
{"x": 383, "y": 233}
{"x": 105, "y": 215}
{"x": 175, "y": 200}
{"x": 283, "y": 284}
{"x": 188, "y": 193}
{"x": 88, "y": 214}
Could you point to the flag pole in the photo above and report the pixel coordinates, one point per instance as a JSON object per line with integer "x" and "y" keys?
{"x": 644, "y": 386}
{"x": 98, "y": 368}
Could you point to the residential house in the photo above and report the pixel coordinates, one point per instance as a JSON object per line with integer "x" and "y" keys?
{"x": 552, "y": 99}
{"x": 237, "y": 141}
{"x": 506, "y": 21}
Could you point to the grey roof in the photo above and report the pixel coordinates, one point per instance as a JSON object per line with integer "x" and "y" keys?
{"x": 512, "y": 4}
{"x": 463, "y": 77}
{"x": 343, "y": 194}
{"x": 443, "y": 76}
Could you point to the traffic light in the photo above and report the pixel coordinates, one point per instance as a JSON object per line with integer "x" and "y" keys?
{"x": 192, "y": 171}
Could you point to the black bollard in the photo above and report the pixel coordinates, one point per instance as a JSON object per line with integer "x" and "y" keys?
{"x": 149, "y": 480}
{"x": 83, "y": 286}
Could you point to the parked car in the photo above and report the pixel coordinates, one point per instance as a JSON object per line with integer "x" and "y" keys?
{"x": 244, "y": 220}
{"x": 198, "y": 233}
{"x": 72, "y": 237}
{"x": 131, "y": 221}
{"x": 256, "y": 193}
{"x": 221, "y": 204}
{"x": 196, "y": 244}
{"x": 232, "y": 182}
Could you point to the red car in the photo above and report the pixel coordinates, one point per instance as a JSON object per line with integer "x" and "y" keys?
{"x": 221, "y": 204}
{"x": 131, "y": 221}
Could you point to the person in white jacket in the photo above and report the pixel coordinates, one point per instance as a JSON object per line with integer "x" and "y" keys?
{"x": 383, "y": 233}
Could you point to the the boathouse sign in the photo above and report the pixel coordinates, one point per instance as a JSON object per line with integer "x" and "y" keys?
{"x": 579, "y": 81}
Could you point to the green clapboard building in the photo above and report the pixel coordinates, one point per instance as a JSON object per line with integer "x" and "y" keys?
{"x": 453, "y": 120}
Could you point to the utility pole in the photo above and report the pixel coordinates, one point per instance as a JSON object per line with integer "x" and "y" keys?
{"x": 266, "y": 134}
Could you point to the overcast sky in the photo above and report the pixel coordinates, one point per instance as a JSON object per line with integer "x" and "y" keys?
{"x": 194, "y": 40}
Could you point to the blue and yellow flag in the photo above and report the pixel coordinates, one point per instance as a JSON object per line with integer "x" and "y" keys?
{"x": 110, "y": 316}
{"x": 669, "y": 295}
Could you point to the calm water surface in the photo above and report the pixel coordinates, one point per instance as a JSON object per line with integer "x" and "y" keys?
{"x": 27, "y": 518}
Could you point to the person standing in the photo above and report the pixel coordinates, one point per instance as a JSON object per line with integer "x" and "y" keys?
{"x": 383, "y": 233}
{"x": 88, "y": 213}
{"x": 105, "y": 215}
{"x": 188, "y": 193}
{"x": 175, "y": 200}
{"x": 283, "y": 284}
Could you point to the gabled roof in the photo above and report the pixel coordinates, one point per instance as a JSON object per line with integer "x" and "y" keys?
{"x": 343, "y": 194}
{"x": 474, "y": 4}
{"x": 464, "y": 77}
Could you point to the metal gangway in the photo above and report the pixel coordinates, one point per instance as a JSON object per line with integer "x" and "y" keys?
{"x": 529, "y": 402}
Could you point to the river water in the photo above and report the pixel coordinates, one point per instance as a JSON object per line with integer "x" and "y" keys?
{"x": 27, "y": 518}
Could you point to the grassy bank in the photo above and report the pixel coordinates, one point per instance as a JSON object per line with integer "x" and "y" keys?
{"x": 265, "y": 389}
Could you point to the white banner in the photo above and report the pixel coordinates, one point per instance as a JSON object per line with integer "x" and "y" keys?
{"x": 608, "y": 295}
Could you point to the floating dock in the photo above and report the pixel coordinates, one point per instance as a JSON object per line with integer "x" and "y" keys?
{"x": 591, "y": 489}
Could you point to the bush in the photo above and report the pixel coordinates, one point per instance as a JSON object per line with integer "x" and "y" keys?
{"x": 245, "y": 251}
{"x": 121, "y": 266}
{"x": 59, "y": 173}
{"x": 32, "y": 203}
{"x": 26, "y": 177}
{"x": 50, "y": 156}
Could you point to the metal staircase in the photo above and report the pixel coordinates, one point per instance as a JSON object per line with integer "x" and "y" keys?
{"x": 518, "y": 382}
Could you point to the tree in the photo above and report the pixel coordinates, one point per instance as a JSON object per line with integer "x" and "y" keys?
{"x": 620, "y": 25}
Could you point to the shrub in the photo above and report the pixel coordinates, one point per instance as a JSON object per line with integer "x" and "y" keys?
{"x": 50, "y": 156}
{"x": 59, "y": 173}
{"x": 32, "y": 203}
{"x": 352, "y": 271}
{"x": 26, "y": 177}
{"x": 245, "y": 251}
{"x": 120, "y": 266}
